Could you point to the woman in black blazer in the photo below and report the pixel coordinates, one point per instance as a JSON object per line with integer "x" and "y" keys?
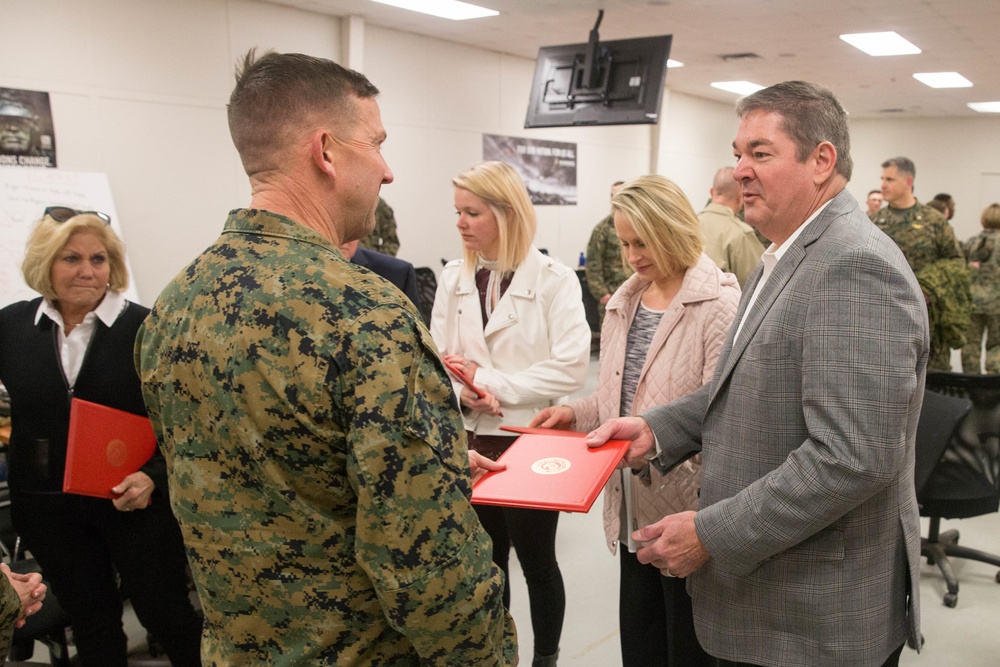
{"x": 76, "y": 341}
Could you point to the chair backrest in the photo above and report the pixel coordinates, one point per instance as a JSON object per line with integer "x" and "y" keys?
{"x": 426, "y": 289}
{"x": 967, "y": 477}
{"x": 940, "y": 417}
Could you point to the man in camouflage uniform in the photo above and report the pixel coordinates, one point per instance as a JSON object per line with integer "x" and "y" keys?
{"x": 983, "y": 255}
{"x": 934, "y": 255}
{"x": 317, "y": 461}
{"x": 383, "y": 238}
{"x": 605, "y": 268}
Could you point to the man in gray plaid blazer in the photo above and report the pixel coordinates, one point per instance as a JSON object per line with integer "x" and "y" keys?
{"x": 805, "y": 551}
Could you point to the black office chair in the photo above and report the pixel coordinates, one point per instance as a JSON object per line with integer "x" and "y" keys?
{"x": 50, "y": 624}
{"x": 940, "y": 417}
{"x": 965, "y": 482}
{"x": 426, "y": 290}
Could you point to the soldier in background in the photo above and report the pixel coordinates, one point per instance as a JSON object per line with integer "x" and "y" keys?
{"x": 949, "y": 204}
{"x": 939, "y": 206}
{"x": 874, "y": 202}
{"x": 318, "y": 464}
{"x": 383, "y": 238}
{"x": 983, "y": 255}
{"x": 729, "y": 241}
{"x": 605, "y": 268}
{"x": 930, "y": 247}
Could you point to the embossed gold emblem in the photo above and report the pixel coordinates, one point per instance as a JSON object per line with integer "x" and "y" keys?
{"x": 552, "y": 465}
{"x": 116, "y": 453}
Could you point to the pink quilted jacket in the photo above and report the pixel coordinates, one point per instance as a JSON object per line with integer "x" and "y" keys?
{"x": 681, "y": 358}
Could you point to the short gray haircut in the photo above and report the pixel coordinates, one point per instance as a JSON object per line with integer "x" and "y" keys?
{"x": 277, "y": 94}
{"x": 811, "y": 115}
{"x": 903, "y": 164}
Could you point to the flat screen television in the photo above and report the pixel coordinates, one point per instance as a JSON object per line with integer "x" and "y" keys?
{"x": 601, "y": 83}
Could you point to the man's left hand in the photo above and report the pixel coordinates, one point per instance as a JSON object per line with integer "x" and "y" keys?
{"x": 672, "y": 545}
{"x": 135, "y": 492}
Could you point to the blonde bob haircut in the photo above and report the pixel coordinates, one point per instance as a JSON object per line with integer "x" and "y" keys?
{"x": 991, "y": 217}
{"x": 49, "y": 237}
{"x": 504, "y": 192}
{"x": 663, "y": 220}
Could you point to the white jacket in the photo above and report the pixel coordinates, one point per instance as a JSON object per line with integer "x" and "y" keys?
{"x": 535, "y": 349}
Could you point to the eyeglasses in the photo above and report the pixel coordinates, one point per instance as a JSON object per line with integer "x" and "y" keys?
{"x": 64, "y": 213}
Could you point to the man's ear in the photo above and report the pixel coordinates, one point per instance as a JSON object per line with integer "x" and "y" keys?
{"x": 321, "y": 148}
{"x": 825, "y": 156}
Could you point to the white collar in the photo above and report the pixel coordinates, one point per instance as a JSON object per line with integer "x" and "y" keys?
{"x": 779, "y": 251}
{"x": 107, "y": 311}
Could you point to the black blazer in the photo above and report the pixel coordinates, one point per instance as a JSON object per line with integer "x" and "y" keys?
{"x": 397, "y": 271}
{"x": 40, "y": 397}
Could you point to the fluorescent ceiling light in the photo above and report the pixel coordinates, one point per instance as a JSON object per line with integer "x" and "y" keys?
{"x": 738, "y": 87}
{"x": 446, "y": 9}
{"x": 880, "y": 43}
{"x": 674, "y": 63}
{"x": 943, "y": 80}
{"x": 985, "y": 107}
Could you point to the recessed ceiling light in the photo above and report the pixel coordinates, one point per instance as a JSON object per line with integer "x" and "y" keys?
{"x": 880, "y": 43}
{"x": 446, "y": 9}
{"x": 943, "y": 80}
{"x": 674, "y": 63}
{"x": 738, "y": 87}
{"x": 985, "y": 107}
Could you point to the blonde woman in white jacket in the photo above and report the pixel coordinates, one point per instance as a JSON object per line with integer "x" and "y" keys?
{"x": 661, "y": 338}
{"x": 513, "y": 320}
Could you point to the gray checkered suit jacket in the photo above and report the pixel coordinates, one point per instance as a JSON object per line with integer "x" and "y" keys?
{"x": 807, "y": 436}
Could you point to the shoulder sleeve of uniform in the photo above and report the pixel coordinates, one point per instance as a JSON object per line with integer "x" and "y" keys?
{"x": 10, "y": 611}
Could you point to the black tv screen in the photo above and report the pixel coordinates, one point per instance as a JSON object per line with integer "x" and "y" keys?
{"x": 624, "y": 84}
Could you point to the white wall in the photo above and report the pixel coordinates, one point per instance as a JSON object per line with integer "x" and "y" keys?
{"x": 695, "y": 139}
{"x": 139, "y": 92}
{"x": 438, "y": 98}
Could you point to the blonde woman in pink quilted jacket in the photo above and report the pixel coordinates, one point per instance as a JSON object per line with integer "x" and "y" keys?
{"x": 662, "y": 335}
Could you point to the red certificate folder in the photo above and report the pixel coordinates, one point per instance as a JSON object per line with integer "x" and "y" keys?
{"x": 464, "y": 379}
{"x": 550, "y": 470}
{"x": 105, "y": 446}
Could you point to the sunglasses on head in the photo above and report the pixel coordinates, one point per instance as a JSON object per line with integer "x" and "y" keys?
{"x": 64, "y": 213}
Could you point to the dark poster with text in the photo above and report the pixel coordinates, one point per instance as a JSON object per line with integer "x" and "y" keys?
{"x": 27, "y": 136}
{"x": 547, "y": 167}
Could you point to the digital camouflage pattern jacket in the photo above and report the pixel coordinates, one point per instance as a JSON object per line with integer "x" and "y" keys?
{"x": 383, "y": 238}
{"x": 317, "y": 462}
{"x": 604, "y": 268}
{"x": 928, "y": 242}
{"x": 983, "y": 255}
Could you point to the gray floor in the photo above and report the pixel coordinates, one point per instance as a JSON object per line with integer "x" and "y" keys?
{"x": 966, "y": 636}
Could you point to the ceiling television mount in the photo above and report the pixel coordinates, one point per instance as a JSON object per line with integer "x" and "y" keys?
{"x": 611, "y": 83}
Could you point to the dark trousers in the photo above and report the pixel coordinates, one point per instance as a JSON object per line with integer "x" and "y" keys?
{"x": 532, "y": 533}
{"x": 655, "y": 618}
{"x": 82, "y": 542}
{"x": 891, "y": 661}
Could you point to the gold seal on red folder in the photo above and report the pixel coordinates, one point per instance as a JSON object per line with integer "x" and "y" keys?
{"x": 117, "y": 453}
{"x": 550, "y": 466}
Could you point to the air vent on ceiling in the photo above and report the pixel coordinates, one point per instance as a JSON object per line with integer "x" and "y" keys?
{"x": 729, "y": 57}
{"x": 895, "y": 110}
